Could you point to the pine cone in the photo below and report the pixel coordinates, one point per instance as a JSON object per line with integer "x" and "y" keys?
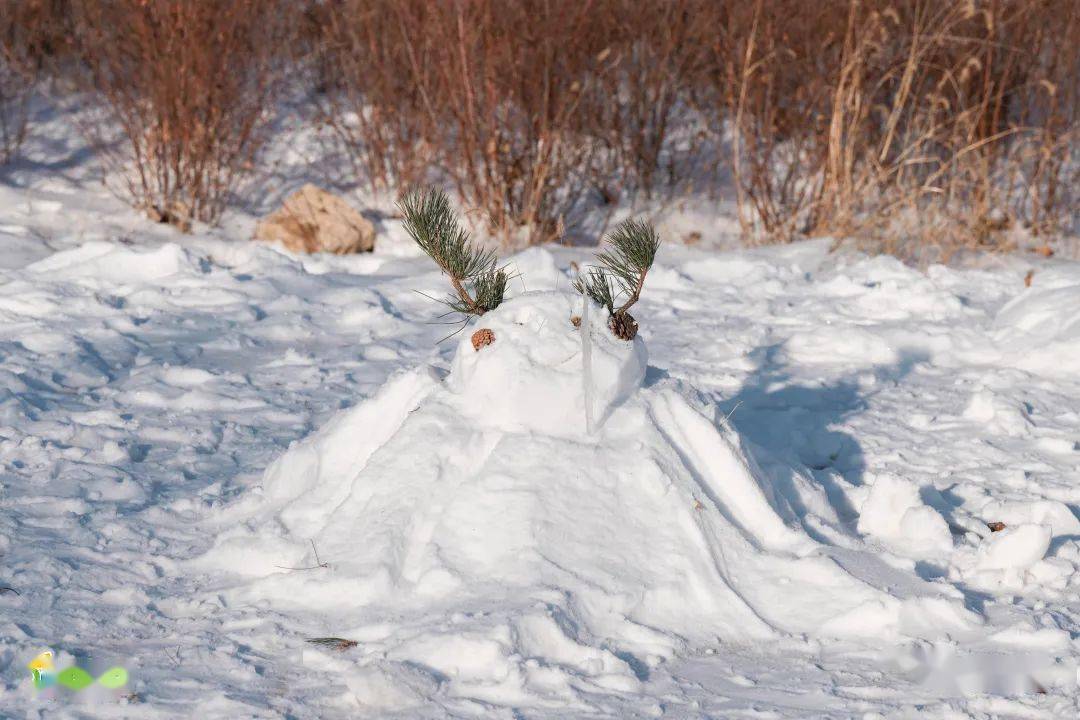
{"x": 482, "y": 338}
{"x": 623, "y": 325}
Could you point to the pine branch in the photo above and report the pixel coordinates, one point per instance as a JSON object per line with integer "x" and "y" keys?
{"x": 631, "y": 251}
{"x": 431, "y": 223}
{"x": 596, "y": 285}
{"x": 630, "y": 254}
{"x": 490, "y": 288}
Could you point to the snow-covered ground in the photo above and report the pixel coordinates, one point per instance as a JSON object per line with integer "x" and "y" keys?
{"x": 828, "y": 437}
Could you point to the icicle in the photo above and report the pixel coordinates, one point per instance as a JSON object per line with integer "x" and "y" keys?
{"x": 586, "y": 361}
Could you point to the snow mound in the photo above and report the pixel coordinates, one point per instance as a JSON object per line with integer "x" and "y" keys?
{"x": 1033, "y": 330}
{"x": 1015, "y": 548}
{"x": 104, "y": 261}
{"x": 895, "y": 514}
{"x": 474, "y": 526}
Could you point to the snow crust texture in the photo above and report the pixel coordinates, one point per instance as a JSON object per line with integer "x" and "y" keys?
{"x": 211, "y": 451}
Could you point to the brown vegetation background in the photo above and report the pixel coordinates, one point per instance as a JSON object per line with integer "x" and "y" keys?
{"x": 903, "y": 123}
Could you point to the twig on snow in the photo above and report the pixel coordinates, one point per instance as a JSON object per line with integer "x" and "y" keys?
{"x": 318, "y": 563}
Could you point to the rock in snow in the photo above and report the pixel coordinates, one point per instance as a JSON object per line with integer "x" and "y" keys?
{"x": 314, "y": 220}
{"x": 482, "y": 497}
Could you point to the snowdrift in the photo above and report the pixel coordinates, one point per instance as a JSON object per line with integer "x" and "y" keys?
{"x": 473, "y": 525}
{"x": 1036, "y": 331}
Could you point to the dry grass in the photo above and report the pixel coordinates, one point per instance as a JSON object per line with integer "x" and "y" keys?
{"x": 852, "y": 117}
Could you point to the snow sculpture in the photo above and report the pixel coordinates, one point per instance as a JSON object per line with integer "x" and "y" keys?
{"x": 475, "y": 516}
{"x": 533, "y": 376}
{"x": 480, "y": 495}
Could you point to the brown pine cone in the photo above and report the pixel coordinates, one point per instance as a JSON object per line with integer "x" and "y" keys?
{"x": 482, "y": 338}
{"x": 623, "y": 325}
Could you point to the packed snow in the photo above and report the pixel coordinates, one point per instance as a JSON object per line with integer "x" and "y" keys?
{"x": 776, "y": 502}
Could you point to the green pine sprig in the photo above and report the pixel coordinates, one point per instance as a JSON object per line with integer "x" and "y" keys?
{"x": 431, "y": 223}
{"x": 596, "y": 284}
{"x": 631, "y": 250}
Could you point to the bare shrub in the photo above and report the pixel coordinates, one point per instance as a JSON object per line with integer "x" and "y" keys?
{"x": 190, "y": 84}
{"x": 16, "y": 86}
{"x": 368, "y": 93}
{"x": 1042, "y": 170}
{"x": 31, "y": 35}
{"x": 657, "y": 56}
{"x": 501, "y": 85}
{"x": 947, "y": 121}
{"x": 781, "y": 69}
{"x": 513, "y": 86}
{"x": 486, "y": 92}
{"x": 533, "y": 109}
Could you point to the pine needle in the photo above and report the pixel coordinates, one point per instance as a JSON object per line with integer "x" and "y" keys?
{"x": 596, "y": 285}
{"x": 333, "y": 643}
{"x": 631, "y": 250}
{"x": 479, "y": 284}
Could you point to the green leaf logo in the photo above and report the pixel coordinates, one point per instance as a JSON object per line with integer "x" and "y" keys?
{"x": 75, "y": 678}
{"x": 113, "y": 678}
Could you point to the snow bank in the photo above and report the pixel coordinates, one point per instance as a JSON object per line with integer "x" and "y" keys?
{"x": 482, "y": 498}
